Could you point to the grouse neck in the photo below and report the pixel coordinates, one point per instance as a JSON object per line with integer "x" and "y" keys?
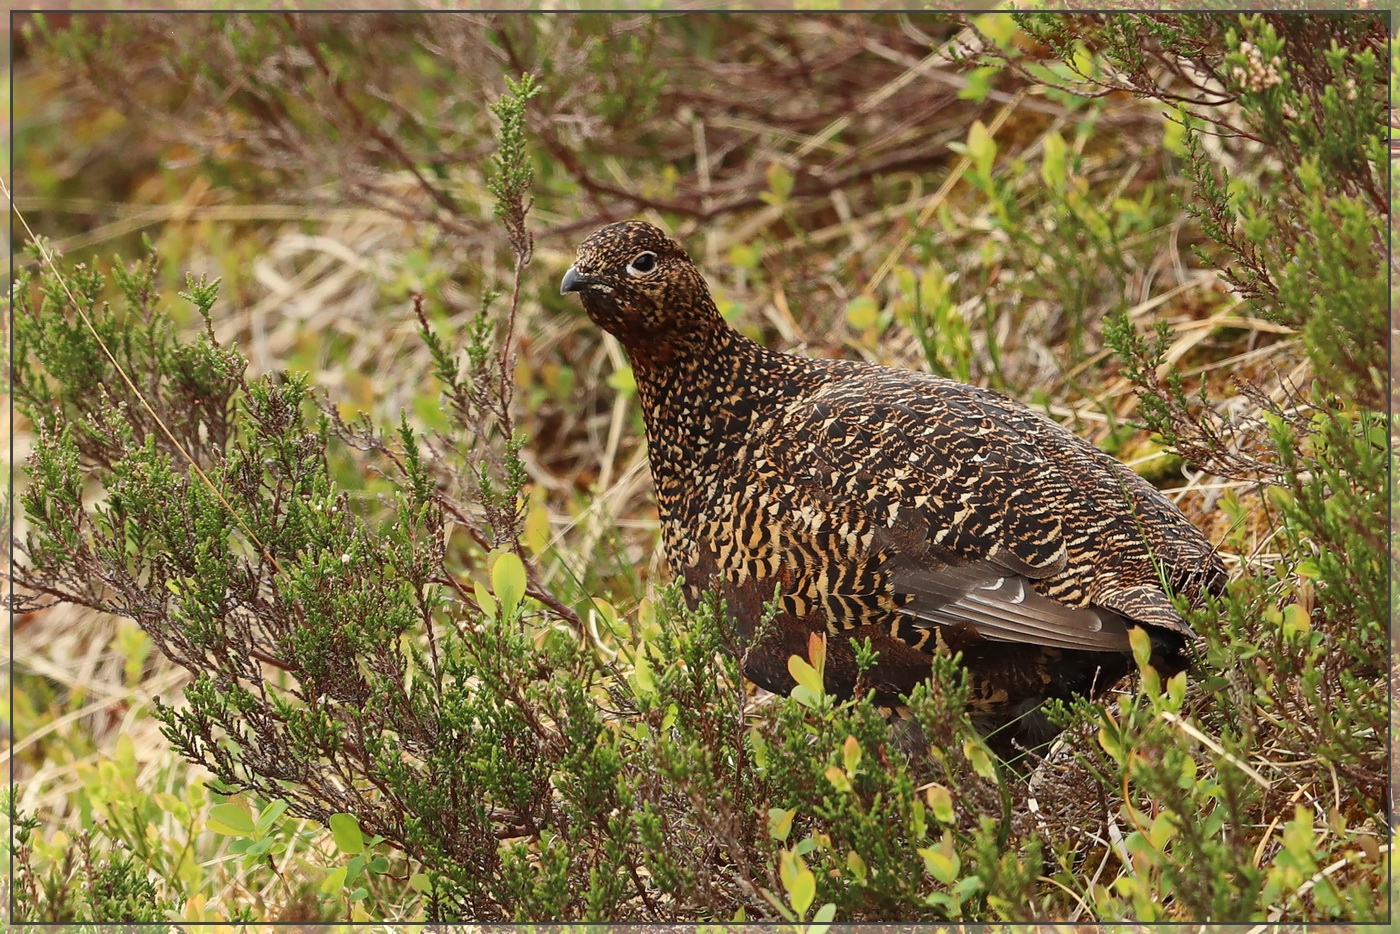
{"x": 700, "y": 391}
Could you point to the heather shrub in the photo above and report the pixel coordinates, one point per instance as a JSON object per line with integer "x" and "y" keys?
{"x": 394, "y": 644}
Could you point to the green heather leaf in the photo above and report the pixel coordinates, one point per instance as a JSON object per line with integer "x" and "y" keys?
{"x": 334, "y": 882}
{"x": 850, "y": 755}
{"x": 804, "y": 674}
{"x": 980, "y": 758}
{"x": 1141, "y": 643}
{"x": 780, "y": 822}
{"x": 799, "y": 882}
{"x": 270, "y": 814}
{"x": 230, "y": 820}
{"x": 508, "y": 582}
{"x": 940, "y": 802}
{"x": 838, "y": 779}
{"x": 981, "y": 148}
{"x": 345, "y": 828}
{"x": 862, "y": 312}
{"x": 486, "y": 601}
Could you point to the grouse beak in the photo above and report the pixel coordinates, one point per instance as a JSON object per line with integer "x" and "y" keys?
{"x": 573, "y": 282}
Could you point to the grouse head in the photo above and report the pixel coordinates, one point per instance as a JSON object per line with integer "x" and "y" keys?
{"x": 639, "y": 285}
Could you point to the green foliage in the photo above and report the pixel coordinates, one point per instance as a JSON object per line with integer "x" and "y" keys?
{"x": 69, "y": 370}
{"x": 1071, "y": 244}
{"x": 412, "y": 708}
{"x": 511, "y": 180}
{"x": 1301, "y": 650}
{"x": 463, "y": 733}
{"x": 629, "y": 96}
{"x": 74, "y": 883}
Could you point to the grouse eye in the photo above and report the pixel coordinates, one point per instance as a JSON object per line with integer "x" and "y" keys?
{"x": 642, "y": 264}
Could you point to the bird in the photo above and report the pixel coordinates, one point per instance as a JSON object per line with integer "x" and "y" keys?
{"x": 857, "y": 501}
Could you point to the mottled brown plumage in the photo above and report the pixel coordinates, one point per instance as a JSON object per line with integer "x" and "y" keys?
{"x": 926, "y": 514}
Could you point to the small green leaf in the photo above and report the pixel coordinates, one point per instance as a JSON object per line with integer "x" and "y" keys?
{"x": 270, "y": 814}
{"x": 918, "y": 823}
{"x": 998, "y": 27}
{"x": 980, "y": 758}
{"x": 979, "y": 82}
{"x": 1176, "y": 690}
{"x": 850, "y": 754}
{"x": 172, "y": 805}
{"x": 1084, "y": 62}
{"x": 759, "y": 748}
{"x": 647, "y": 626}
{"x": 1110, "y": 739}
{"x": 743, "y": 256}
{"x": 623, "y": 380}
{"x": 1162, "y": 829}
{"x": 1142, "y": 646}
{"x": 642, "y": 680}
{"x": 933, "y": 290}
{"x": 862, "y": 312}
{"x": 981, "y": 149}
{"x": 537, "y": 529}
{"x": 801, "y": 885}
{"x": 780, "y": 822}
{"x": 230, "y": 820}
{"x": 1296, "y": 620}
{"x": 838, "y": 779}
{"x": 940, "y": 802}
{"x": 334, "y": 882}
{"x": 825, "y": 914}
{"x": 856, "y": 864}
{"x": 779, "y": 184}
{"x": 804, "y": 674}
{"x": 346, "y": 831}
{"x": 420, "y": 882}
{"x": 1174, "y": 132}
{"x": 508, "y": 581}
{"x": 942, "y": 900}
{"x": 941, "y": 862}
{"x": 486, "y": 601}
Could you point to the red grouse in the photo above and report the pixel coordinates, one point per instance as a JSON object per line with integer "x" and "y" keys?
{"x": 924, "y": 514}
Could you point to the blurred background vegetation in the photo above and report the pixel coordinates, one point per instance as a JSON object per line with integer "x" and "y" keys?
{"x": 1167, "y": 232}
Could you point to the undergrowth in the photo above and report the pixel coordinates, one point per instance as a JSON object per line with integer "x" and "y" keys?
{"x": 431, "y": 673}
